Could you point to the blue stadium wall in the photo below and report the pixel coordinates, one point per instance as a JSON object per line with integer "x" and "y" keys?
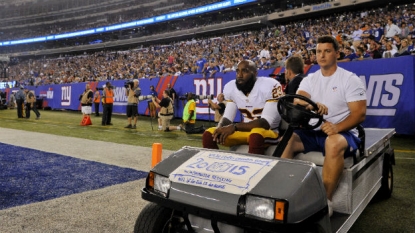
{"x": 390, "y": 92}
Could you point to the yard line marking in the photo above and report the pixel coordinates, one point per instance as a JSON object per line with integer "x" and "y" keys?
{"x": 405, "y": 151}
{"x": 405, "y": 158}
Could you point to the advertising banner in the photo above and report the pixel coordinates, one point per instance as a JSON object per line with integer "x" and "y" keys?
{"x": 389, "y": 82}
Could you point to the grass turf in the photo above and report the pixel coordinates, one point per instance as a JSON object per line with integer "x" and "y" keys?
{"x": 67, "y": 123}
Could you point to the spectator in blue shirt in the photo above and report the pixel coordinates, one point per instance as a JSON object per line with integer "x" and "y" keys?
{"x": 264, "y": 64}
{"x": 361, "y": 54}
{"x": 378, "y": 32}
{"x": 367, "y": 31}
{"x": 350, "y": 55}
{"x": 186, "y": 71}
{"x": 211, "y": 70}
{"x": 200, "y": 63}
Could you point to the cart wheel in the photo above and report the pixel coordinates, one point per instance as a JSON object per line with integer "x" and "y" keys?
{"x": 386, "y": 187}
{"x": 153, "y": 219}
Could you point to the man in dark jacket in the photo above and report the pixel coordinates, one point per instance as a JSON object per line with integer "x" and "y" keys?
{"x": 294, "y": 74}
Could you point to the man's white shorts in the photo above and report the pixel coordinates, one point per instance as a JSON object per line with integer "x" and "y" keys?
{"x": 86, "y": 110}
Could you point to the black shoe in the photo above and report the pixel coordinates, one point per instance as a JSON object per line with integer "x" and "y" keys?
{"x": 109, "y": 123}
{"x": 103, "y": 124}
{"x": 134, "y": 127}
{"x": 128, "y": 126}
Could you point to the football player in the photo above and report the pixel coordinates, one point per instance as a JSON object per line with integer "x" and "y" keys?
{"x": 255, "y": 97}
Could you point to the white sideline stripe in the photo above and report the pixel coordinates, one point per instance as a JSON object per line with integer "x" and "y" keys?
{"x": 405, "y": 158}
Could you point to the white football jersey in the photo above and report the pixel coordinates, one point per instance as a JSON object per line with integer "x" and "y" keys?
{"x": 252, "y": 106}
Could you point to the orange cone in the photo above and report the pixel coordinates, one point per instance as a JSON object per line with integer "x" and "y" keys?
{"x": 88, "y": 120}
{"x": 156, "y": 154}
{"x": 84, "y": 121}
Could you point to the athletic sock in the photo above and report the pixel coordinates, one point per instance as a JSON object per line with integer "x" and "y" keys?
{"x": 256, "y": 142}
{"x": 208, "y": 142}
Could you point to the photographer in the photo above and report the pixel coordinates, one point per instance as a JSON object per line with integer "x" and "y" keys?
{"x": 166, "y": 110}
{"x": 107, "y": 104}
{"x": 86, "y": 101}
{"x": 219, "y": 107}
{"x": 133, "y": 92}
{"x": 31, "y": 104}
{"x": 12, "y": 102}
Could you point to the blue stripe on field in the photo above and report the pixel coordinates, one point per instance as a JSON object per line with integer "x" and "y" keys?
{"x": 28, "y": 176}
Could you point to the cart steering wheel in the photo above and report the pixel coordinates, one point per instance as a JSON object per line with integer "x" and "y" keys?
{"x": 297, "y": 116}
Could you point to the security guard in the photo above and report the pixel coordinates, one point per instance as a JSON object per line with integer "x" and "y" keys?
{"x": 107, "y": 103}
{"x": 20, "y": 99}
{"x": 97, "y": 100}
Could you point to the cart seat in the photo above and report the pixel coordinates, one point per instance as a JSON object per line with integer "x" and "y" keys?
{"x": 314, "y": 156}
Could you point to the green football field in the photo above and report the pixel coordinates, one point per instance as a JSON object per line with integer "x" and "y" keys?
{"x": 396, "y": 214}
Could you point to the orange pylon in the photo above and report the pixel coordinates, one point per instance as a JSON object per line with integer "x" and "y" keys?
{"x": 86, "y": 121}
{"x": 156, "y": 154}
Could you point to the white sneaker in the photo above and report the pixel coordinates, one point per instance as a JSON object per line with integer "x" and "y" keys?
{"x": 330, "y": 205}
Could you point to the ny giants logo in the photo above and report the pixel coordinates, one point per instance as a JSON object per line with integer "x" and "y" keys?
{"x": 383, "y": 93}
{"x": 206, "y": 87}
{"x": 120, "y": 99}
{"x": 66, "y": 96}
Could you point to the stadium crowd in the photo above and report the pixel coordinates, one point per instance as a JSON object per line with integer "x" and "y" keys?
{"x": 48, "y": 18}
{"x": 58, "y": 25}
{"x": 370, "y": 34}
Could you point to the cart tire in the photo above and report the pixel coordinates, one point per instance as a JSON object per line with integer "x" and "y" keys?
{"x": 153, "y": 219}
{"x": 386, "y": 187}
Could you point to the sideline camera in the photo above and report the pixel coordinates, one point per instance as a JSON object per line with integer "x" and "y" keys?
{"x": 129, "y": 84}
{"x": 203, "y": 97}
{"x": 197, "y": 97}
{"x": 145, "y": 97}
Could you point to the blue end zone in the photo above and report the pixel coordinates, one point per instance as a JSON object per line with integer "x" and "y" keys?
{"x": 28, "y": 175}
